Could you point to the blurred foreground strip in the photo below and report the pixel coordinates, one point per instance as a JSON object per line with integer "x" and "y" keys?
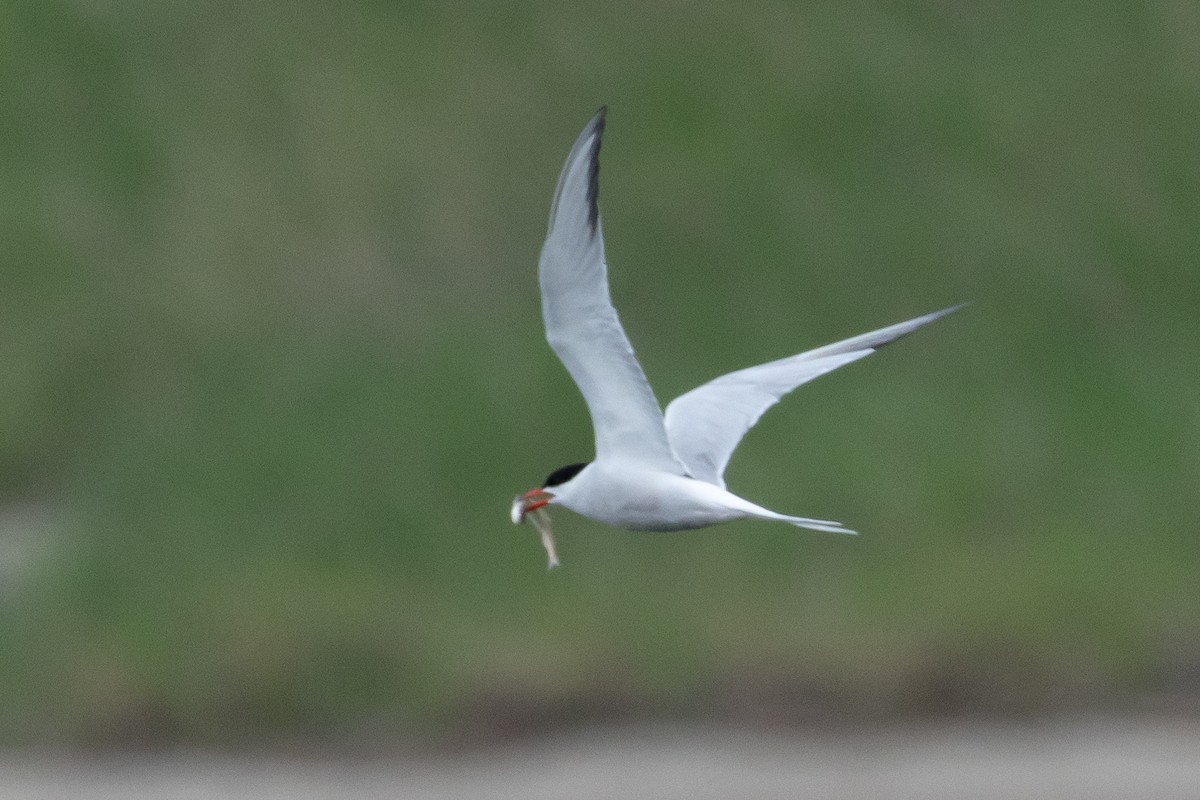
{"x": 1089, "y": 759}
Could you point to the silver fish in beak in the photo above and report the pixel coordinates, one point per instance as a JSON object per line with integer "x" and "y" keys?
{"x": 541, "y": 520}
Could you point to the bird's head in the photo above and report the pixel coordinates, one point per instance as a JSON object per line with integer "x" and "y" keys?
{"x": 545, "y": 494}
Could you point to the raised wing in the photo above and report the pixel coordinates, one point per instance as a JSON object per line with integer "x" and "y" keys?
{"x": 582, "y": 325}
{"x": 705, "y": 425}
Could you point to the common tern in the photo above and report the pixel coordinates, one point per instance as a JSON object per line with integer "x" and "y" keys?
{"x": 653, "y": 471}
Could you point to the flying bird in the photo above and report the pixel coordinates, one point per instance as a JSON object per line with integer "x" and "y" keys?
{"x": 653, "y": 471}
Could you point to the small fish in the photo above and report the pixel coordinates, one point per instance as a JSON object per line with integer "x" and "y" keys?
{"x": 541, "y": 521}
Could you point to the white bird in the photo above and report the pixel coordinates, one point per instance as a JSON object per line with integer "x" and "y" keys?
{"x": 652, "y": 472}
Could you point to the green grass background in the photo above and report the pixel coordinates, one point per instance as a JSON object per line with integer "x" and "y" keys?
{"x": 273, "y": 364}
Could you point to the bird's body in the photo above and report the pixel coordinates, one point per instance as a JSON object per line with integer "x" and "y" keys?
{"x": 652, "y": 472}
{"x": 640, "y": 498}
{"x": 645, "y": 499}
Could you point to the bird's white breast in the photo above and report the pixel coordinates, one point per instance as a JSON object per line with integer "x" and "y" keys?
{"x": 637, "y": 498}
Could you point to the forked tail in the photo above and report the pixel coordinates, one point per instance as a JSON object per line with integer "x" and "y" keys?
{"x": 828, "y": 526}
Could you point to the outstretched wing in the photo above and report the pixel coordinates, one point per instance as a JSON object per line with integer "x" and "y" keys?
{"x": 582, "y": 325}
{"x": 705, "y": 425}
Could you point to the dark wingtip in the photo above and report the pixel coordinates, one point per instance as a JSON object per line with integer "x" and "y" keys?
{"x": 929, "y": 318}
{"x": 593, "y": 188}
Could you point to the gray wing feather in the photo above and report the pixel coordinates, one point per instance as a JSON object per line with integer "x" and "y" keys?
{"x": 582, "y": 325}
{"x": 706, "y": 424}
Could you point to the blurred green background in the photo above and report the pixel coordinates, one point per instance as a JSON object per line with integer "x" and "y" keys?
{"x": 273, "y": 364}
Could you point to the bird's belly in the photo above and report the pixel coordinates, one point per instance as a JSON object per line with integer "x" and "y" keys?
{"x": 679, "y": 525}
{"x": 679, "y": 505}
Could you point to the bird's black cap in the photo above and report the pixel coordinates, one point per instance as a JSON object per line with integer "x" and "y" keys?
{"x": 562, "y": 475}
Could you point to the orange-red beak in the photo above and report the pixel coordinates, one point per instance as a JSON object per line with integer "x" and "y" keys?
{"x": 530, "y": 501}
{"x": 536, "y": 498}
